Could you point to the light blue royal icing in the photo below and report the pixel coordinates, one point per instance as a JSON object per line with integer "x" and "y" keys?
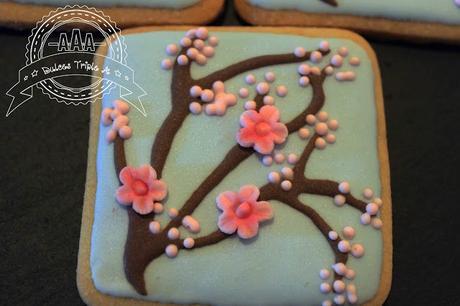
{"x": 281, "y": 265}
{"x": 176, "y": 4}
{"x": 442, "y": 11}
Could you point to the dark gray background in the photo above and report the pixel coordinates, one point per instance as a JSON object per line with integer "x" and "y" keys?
{"x": 43, "y": 148}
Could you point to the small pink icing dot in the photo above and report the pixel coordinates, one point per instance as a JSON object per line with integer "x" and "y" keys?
{"x": 106, "y": 119}
{"x": 243, "y": 92}
{"x": 171, "y": 49}
{"x": 195, "y": 108}
{"x": 310, "y": 119}
{"x": 330, "y": 138}
{"x": 329, "y": 70}
{"x": 213, "y": 41}
{"x": 368, "y": 193}
{"x": 372, "y": 209}
{"x": 274, "y": 177}
{"x": 320, "y": 143}
{"x": 339, "y": 299}
{"x": 304, "y": 81}
{"x": 250, "y": 105}
{"x": 303, "y": 69}
{"x": 324, "y": 45}
{"x": 349, "y": 232}
{"x": 191, "y": 33}
{"x": 339, "y": 200}
{"x": 339, "y": 268}
{"x": 154, "y": 227}
{"x": 287, "y": 173}
{"x": 166, "y": 64}
{"x": 365, "y": 219}
{"x": 125, "y": 132}
{"x": 171, "y": 250}
{"x": 218, "y": 86}
{"x": 189, "y": 243}
{"x": 192, "y": 53}
{"x": 343, "y": 51}
{"x": 339, "y": 286}
{"x": 357, "y": 250}
{"x": 326, "y": 303}
{"x": 333, "y": 124}
{"x": 325, "y": 288}
{"x": 355, "y": 61}
{"x": 173, "y": 234}
{"x": 158, "y": 208}
{"x": 323, "y": 116}
{"x": 351, "y": 288}
{"x": 263, "y": 88}
{"x": 120, "y": 121}
{"x": 198, "y": 43}
{"x": 269, "y": 100}
{"x": 299, "y": 52}
{"x": 211, "y": 109}
{"x": 316, "y": 56}
{"x": 279, "y": 158}
{"x": 195, "y": 91}
{"x": 207, "y": 95}
{"x": 350, "y": 274}
{"x": 281, "y": 90}
{"x": 202, "y": 33}
{"x": 286, "y": 185}
{"x": 344, "y": 246}
{"x": 185, "y": 42}
{"x": 324, "y": 273}
{"x": 304, "y": 133}
{"x": 182, "y": 60}
{"x": 173, "y": 212}
{"x": 191, "y": 224}
{"x": 352, "y": 298}
{"x": 377, "y": 223}
{"x": 269, "y": 76}
{"x": 292, "y": 158}
{"x": 250, "y": 79}
{"x": 267, "y": 160}
{"x": 201, "y": 59}
{"x": 344, "y": 187}
{"x": 345, "y": 76}
{"x": 315, "y": 70}
{"x": 321, "y": 128}
{"x": 121, "y": 106}
{"x": 337, "y": 60}
{"x": 111, "y": 135}
{"x": 115, "y": 113}
{"x": 333, "y": 235}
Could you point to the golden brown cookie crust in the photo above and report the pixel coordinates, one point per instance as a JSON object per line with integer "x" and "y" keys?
{"x": 86, "y": 287}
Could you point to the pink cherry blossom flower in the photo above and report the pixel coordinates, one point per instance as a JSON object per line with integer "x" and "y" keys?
{"x": 262, "y": 129}
{"x": 242, "y": 212}
{"x": 140, "y": 188}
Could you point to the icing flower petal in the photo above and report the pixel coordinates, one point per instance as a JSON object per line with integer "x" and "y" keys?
{"x": 125, "y": 175}
{"x": 143, "y": 205}
{"x": 225, "y": 200}
{"x": 249, "y": 228}
{"x": 248, "y": 193}
{"x": 145, "y": 173}
{"x": 246, "y": 137}
{"x": 263, "y": 211}
{"x": 264, "y": 146}
{"x": 270, "y": 113}
{"x": 158, "y": 190}
{"x": 227, "y": 223}
{"x": 123, "y": 195}
{"x": 280, "y": 132}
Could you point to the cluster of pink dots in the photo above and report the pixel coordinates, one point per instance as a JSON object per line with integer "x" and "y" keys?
{"x": 196, "y": 45}
{"x": 116, "y": 116}
{"x": 286, "y": 174}
{"x": 216, "y": 98}
{"x": 322, "y": 127}
{"x": 343, "y": 291}
{"x": 188, "y": 222}
{"x": 262, "y": 88}
{"x": 372, "y": 208}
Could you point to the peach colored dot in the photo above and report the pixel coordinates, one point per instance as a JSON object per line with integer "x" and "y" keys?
{"x": 171, "y": 250}
{"x": 320, "y": 143}
{"x": 189, "y": 243}
{"x": 377, "y": 223}
{"x": 262, "y": 88}
{"x": 339, "y": 299}
{"x": 274, "y": 177}
{"x": 329, "y": 70}
{"x": 158, "y": 208}
{"x": 199, "y": 44}
{"x": 211, "y": 109}
{"x": 106, "y": 119}
{"x": 333, "y": 235}
{"x": 286, "y": 185}
{"x": 269, "y": 76}
{"x": 351, "y": 288}
{"x": 316, "y": 56}
{"x": 350, "y": 274}
{"x": 292, "y": 158}
{"x": 125, "y": 132}
{"x": 250, "y": 79}
{"x": 344, "y": 246}
{"x": 321, "y": 128}
{"x": 340, "y": 268}
{"x": 267, "y": 160}
{"x": 303, "y": 69}
{"x": 120, "y": 121}
{"x": 299, "y": 52}
{"x": 173, "y": 233}
{"x": 166, "y": 64}
{"x": 333, "y": 124}
{"x": 185, "y": 42}
{"x": 195, "y": 91}
{"x": 281, "y": 90}
{"x": 310, "y": 119}
{"x": 192, "y": 53}
{"x": 365, "y": 219}
{"x": 171, "y": 49}
{"x": 250, "y": 105}
{"x": 182, "y": 60}
{"x": 207, "y": 95}
{"x": 357, "y": 250}
{"x": 330, "y": 138}
{"x": 349, "y": 232}
{"x": 195, "y": 108}
{"x": 201, "y": 59}
{"x": 121, "y": 106}
{"x": 322, "y": 116}
{"x": 191, "y": 33}
{"x": 337, "y": 60}
{"x": 269, "y": 100}
{"x": 243, "y": 92}
{"x": 304, "y": 133}
{"x": 324, "y": 273}
{"x": 324, "y": 45}
{"x": 202, "y": 33}
{"x": 213, "y": 41}
{"x": 368, "y": 193}
{"x": 339, "y": 200}
{"x": 343, "y": 51}
{"x": 325, "y": 288}
{"x": 287, "y": 172}
{"x": 315, "y": 70}
{"x": 218, "y": 86}
{"x": 352, "y": 298}
{"x": 173, "y": 212}
{"x": 344, "y": 187}
{"x": 372, "y": 209}
{"x": 154, "y": 227}
{"x": 111, "y": 135}
{"x": 355, "y": 61}
{"x": 279, "y": 158}
{"x": 304, "y": 81}
{"x": 378, "y": 201}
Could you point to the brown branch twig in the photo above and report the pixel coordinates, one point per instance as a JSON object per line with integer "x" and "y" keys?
{"x": 331, "y": 2}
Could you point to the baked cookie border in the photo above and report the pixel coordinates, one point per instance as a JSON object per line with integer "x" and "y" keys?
{"x": 86, "y": 287}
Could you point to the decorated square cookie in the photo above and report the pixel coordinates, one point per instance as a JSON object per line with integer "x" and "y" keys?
{"x": 255, "y": 173}
{"x": 26, "y": 13}
{"x": 414, "y": 20}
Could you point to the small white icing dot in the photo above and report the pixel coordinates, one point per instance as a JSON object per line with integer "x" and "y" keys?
{"x": 191, "y": 224}
{"x": 299, "y": 52}
{"x": 279, "y": 158}
{"x": 173, "y": 233}
{"x": 287, "y": 173}
{"x": 343, "y": 51}
{"x": 269, "y": 76}
{"x": 250, "y": 79}
{"x": 324, "y": 273}
{"x": 333, "y": 235}
{"x": 243, "y": 92}
{"x": 191, "y": 33}
{"x": 344, "y": 187}
{"x": 339, "y": 299}
{"x": 304, "y": 81}
{"x": 339, "y": 286}
{"x": 377, "y": 223}
{"x": 195, "y": 108}
{"x": 292, "y": 158}
{"x": 339, "y": 268}
{"x": 173, "y": 212}
{"x": 303, "y": 69}
{"x": 350, "y": 274}
{"x": 208, "y": 51}
{"x": 315, "y": 70}
{"x": 329, "y": 70}
{"x": 154, "y": 227}
{"x": 158, "y": 208}
{"x": 325, "y": 287}
{"x": 337, "y": 60}
{"x": 310, "y": 119}
{"x": 326, "y": 303}
{"x": 185, "y": 42}
{"x": 320, "y": 143}
{"x": 330, "y": 138}
{"x": 269, "y": 100}
{"x": 207, "y": 95}
{"x": 324, "y": 45}
{"x": 339, "y": 200}
{"x": 166, "y": 64}
{"x": 333, "y": 124}
{"x": 171, "y": 49}
{"x": 286, "y": 185}
{"x": 201, "y": 59}
{"x": 378, "y": 201}
{"x": 195, "y": 91}
{"x": 171, "y": 250}
{"x": 250, "y": 105}
{"x": 365, "y": 219}
{"x": 372, "y": 209}
{"x": 267, "y": 160}
{"x": 304, "y": 133}
{"x": 357, "y": 250}
{"x": 182, "y": 60}
{"x": 349, "y": 232}
{"x": 189, "y": 243}
{"x": 263, "y": 88}
{"x": 316, "y": 56}
{"x": 355, "y": 61}
{"x": 281, "y": 91}
{"x": 274, "y": 177}
{"x": 344, "y": 246}
{"x": 368, "y": 193}
{"x": 202, "y": 33}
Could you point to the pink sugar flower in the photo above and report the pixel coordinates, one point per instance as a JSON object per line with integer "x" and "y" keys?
{"x": 242, "y": 212}
{"x": 262, "y": 129}
{"x": 140, "y": 188}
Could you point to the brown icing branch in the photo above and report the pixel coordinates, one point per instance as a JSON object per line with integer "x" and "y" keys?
{"x": 330, "y": 2}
